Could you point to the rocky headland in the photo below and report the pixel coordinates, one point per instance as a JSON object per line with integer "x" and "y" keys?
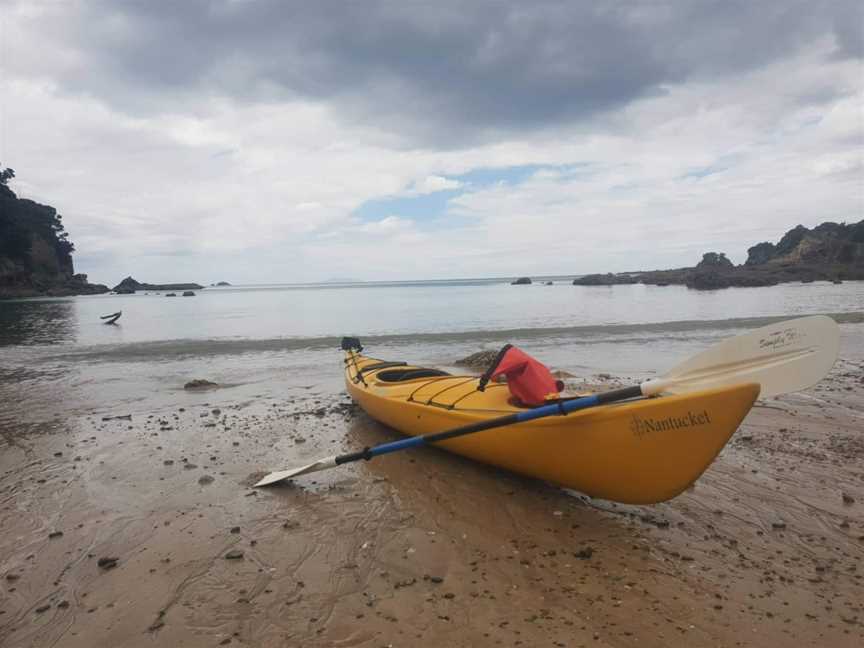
{"x": 35, "y": 252}
{"x": 829, "y": 252}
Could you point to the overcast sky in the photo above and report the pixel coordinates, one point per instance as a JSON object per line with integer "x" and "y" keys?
{"x": 269, "y": 141}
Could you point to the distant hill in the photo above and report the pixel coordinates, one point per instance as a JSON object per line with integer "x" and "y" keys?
{"x": 35, "y": 252}
{"x": 828, "y": 252}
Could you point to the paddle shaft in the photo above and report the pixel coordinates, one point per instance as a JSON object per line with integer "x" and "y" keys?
{"x": 561, "y": 408}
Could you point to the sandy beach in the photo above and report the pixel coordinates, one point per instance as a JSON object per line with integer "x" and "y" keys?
{"x": 144, "y": 531}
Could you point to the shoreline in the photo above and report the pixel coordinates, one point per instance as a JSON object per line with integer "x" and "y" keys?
{"x": 420, "y": 548}
{"x": 658, "y": 278}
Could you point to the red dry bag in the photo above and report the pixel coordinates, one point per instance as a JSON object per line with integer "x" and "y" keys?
{"x": 529, "y": 380}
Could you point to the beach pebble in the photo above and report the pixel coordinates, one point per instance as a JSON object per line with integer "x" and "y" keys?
{"x": 235, "y": 529}
{"x": 205, "y": 479}
{"x": 848, "y": 499}
{"x": 779, "y": 524}
{"x": 55, "y": 534}
{"x": 199, "y": 383}
{"x": 234, "y": 554}
{"x": 107, "y": 563}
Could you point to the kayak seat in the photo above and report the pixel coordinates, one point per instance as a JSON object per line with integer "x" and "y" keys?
{"x": 399, "y": 375}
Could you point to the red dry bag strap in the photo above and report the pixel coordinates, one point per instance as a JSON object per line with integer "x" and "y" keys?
{"x": 487, "y": 375}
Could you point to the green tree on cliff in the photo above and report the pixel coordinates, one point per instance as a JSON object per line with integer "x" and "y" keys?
{"x": 20, "y": 219}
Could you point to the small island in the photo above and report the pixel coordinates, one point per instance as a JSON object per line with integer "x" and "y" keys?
{"x": 130, "y": 285}
{"x": 829, "y": 252}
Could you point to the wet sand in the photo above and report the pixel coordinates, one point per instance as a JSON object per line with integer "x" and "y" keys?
{"x": 420, "y": 548}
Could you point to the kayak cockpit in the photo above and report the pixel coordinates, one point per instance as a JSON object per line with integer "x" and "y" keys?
{"x": 409, "y": 373}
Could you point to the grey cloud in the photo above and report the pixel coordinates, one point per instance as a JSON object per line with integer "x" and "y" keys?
{"x": 435, "y": 71}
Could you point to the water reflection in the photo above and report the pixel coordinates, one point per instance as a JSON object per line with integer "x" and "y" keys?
{"x": 37, "y": 322}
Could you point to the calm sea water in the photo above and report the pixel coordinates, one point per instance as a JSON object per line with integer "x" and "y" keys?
{"x": 56, "y": 356}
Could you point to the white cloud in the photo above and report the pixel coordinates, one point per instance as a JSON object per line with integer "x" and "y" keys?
{"x": 431, "y": 184}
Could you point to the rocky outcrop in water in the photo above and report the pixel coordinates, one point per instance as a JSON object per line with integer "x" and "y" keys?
{"x": 130, "y": 285}
{"x": 607, "y": 279}
{"x": 829, "y": 252}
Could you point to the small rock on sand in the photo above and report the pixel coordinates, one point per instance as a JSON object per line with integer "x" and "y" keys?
{"x": 234, "y": 554}
{"x": 200, "y": 383}
{"x": 107, "y": 563}
{"x": 848, "y": 499}
{"x": 205, "y": 479}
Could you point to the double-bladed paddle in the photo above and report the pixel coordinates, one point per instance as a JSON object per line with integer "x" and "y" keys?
{"x": 783, "y": 357}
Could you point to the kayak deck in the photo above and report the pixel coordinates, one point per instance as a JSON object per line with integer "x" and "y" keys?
{"x": 637, "y": 452}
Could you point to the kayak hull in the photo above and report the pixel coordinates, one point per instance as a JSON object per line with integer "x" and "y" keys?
{"x": 636, "y": 452}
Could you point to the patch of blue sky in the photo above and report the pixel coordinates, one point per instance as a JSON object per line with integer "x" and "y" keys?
{"x": 433, "y": 206}
{"x": 425, "y": 206}
{"x": 492, "y": 176}
{"x": 720, "y": 165}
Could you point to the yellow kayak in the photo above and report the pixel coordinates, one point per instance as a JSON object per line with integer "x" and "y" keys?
{"x": 637, "y": 452}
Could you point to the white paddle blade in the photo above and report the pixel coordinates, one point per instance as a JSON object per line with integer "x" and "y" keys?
{"x": 784, "y": 357}
{"x": 282, "y": 475}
